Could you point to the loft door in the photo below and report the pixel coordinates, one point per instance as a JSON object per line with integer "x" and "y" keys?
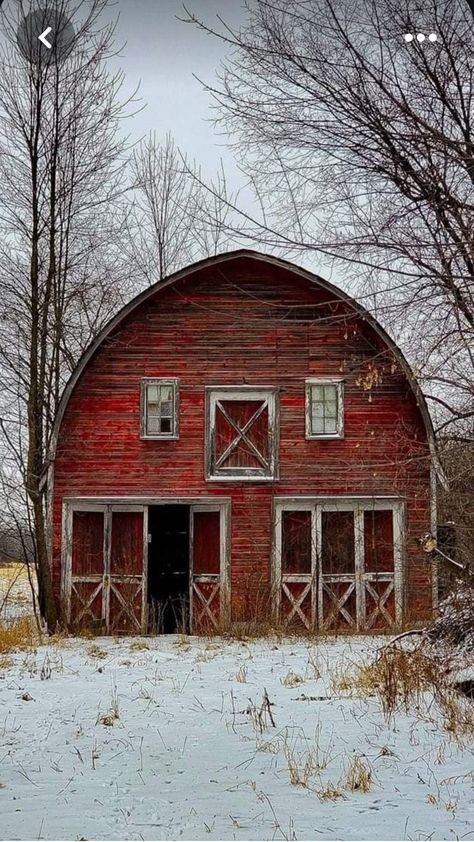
{"x": 206, "y": 581}
{"x": 105, "y": 591}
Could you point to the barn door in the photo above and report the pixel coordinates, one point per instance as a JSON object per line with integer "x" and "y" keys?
{"x": 297, "y": 586}
{"x": 206, "y": 597}
{"x": 381, "y": 588}
{"x": 86, "y": 592}
{"x": 105, "y": 577}
{"x": 360, "y": 580}
{"x": 339, "y": 579}
{"x": 126, "y": 572}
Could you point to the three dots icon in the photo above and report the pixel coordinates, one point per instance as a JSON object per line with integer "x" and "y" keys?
{"x": 409, "y": 37}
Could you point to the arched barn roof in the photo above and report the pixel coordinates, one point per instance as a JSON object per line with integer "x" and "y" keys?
{"x": 218, "y": 260}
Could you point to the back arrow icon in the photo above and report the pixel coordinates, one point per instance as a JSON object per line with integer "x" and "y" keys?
{"x": 43, "y": 37}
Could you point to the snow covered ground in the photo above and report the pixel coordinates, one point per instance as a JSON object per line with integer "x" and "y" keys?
{"x": 161, "y": 739}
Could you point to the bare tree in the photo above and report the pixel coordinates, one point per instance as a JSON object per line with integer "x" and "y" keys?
{"x": 62, "y": 275}
{"x": 174, "y": 219}
{"x": 360, "y": 146}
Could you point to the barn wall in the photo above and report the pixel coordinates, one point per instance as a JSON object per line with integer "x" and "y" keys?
{"x": 245, "y": 322}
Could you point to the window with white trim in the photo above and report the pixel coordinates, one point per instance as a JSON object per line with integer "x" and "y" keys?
{"x": 324, "y": 409}
{"x": 241, "y": 433}
{"x": 159, "y": 408}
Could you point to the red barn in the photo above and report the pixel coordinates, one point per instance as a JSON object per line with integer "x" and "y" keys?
{"x": 242, "y": 441}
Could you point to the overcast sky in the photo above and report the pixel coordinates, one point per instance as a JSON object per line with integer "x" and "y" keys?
{"x": 162, "y": 54}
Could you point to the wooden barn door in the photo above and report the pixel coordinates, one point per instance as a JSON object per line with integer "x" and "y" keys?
{"x": 360, "y": 578}
{"x": 297, "y": 586}
{"x": 380, "y": 585}
{"x": 207, "y": 588}
{"x": 86, "y": 588}
{"x": 106, "y": 573}
{"x": 339, "y": 579}
{"x": 338, "y": 565}
{"x": 126, "y": 579}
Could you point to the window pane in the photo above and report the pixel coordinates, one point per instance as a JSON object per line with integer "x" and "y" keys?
{"x": 324, "y": 409}
{"x": 166, "y": 393}
{"x": 153, "y": 425}
{"x": 317, "y": 410}
{"x": 330, "y": 393}
{"x": 317, "y": 425}
{"x": 153, "y": 394}
{"x": 166, "y": 407}
{"x": 166, "y": 425}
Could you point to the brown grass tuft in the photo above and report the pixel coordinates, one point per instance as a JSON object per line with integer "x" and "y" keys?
{"x": 292, "y": 679}
{"x": 95, "y": 651}
{"x": 18, "y": 634}
{"x": 358, "y": 775}
{"x": 6, "y": 662}
{"x": 398, "y": 677}
{"x": 329, "y": 793}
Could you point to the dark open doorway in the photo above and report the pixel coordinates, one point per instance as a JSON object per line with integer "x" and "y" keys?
{"x": 168, "y": 569}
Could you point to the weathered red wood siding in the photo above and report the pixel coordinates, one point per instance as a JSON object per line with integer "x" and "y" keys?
{"x": 232, "y": 324}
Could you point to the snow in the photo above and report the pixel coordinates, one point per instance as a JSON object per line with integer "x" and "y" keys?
{"x": 182, "y": 755}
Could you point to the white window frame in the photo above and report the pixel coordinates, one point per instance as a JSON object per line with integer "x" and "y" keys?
{"x": 214, "y": 394}
{"x": 338, "y": 382}
{"x": 159, "y": 381}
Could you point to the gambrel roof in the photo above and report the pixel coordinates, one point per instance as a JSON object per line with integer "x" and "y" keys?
{"x": 220, "y": 261}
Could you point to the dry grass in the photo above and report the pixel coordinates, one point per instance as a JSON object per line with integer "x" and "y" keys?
{"x": 5, "y": 662}
{"x": 302, "y": 767}
{"x": 241, "y": 675}
{"x": 96, "y": 652}
{"x": 358, "y": 775}
{"x": 292, "y": 679}
{"x": 138, "y": 645}
{"x": 313, "y": 666}
{"x": 15, "y": 589}
{"x": 261, "y": 717}
{"x": 111, "y": 716}
{"x": 18, "y": 634}
{"x": 329, "y": 793}
{"x": 410, "y": 680}
{"x": 398, "y": 677}
{"x": 307, "y": 760}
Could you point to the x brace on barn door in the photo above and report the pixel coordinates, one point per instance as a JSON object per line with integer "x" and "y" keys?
{"x": 241, "y": 433}
{"x": 241, "y": 436}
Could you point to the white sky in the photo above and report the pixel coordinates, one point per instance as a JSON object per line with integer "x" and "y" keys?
{"x": 163, "y": 55}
